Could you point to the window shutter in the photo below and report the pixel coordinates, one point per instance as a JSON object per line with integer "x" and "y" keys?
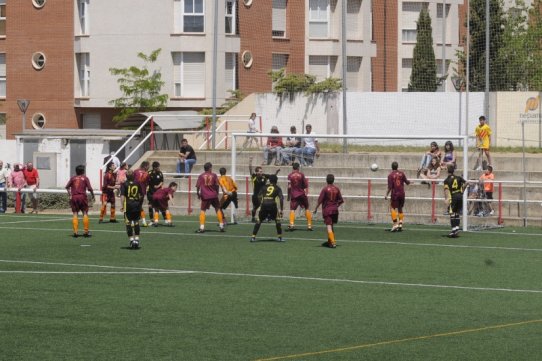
{"x": 193, "y": 75}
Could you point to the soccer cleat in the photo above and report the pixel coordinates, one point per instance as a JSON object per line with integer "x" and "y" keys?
{"x": 113, "y": 221}
{"x": 222, "y": 229}
{"x": 332, "y": 245}
{"x": 291, "y": 228}
{"x": 453, "y": 234}
{"x": 252, "y": 239}
{"x": 395, "y": 228}
{"x": 309, "y": 228}
{"x": 492, "y": 212}
{"x": 400, "y": 229}
{"x": 280, "y": 239}
{"x": 101, "y": 221}
{"x": 154, "y": 224}
{"x": 144, "y": 224}
{"x": 329, "y": 245}
{"x": 87, "y": 235}
{"x": 75, "y": 235}
{"x": 200, "y": 230}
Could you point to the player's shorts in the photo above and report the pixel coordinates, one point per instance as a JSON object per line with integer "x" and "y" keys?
{"x": 79, "y": 203}
{"x": 489, "y": 195}
{"x": 226, "y": 200}
{"x": 132, "y": 215}
{"x": 456, "y": 204}
{"x": 268, "y": 212}
{"x": 149, "y": 197}
{"x": 397, "y": 201}
{"x": 207, "y": 203}
{"x": 255, "y": 201}
{"x": 302, "y": 201}
{"x": 331, "y": 219}
{"x": 108, "y": 197}
{"x": 160, "y": 204}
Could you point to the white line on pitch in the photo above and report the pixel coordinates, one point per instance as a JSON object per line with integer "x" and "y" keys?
{"x": 34, "y": 220}
{"x": 223, "y": 235}
{"x": 303, "y": 278}
{"x": 101, "y": 272}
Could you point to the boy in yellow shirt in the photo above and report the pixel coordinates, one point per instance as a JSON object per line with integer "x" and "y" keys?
{"x": 229, "y": 190}
{"x": 483, "y": 140}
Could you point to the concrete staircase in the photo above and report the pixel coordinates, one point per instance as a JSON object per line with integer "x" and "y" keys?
{"x": 364, "y": 189}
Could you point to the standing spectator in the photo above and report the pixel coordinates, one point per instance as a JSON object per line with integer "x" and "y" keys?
{"x": 160, "y": 202}
{"x": 4, "y": 178}
{"x": 258, "y": 179}
{"x": 293, "y": 143}
{"x": 112, "y": 158}
{"x": 396, "y": 186}
{"x": 17, "y": 180}
{"x": 487, "y": 179}
{"x": 33, "y": 181}
{"x": 433, "y": 152}
{"x": 141, "y": 177}
{"x": 229, "y": 193}
{"x": 454, "y": 186}
{"x": 207, "y": 191}
{"x": 131, "y": 199}
{"x": 273, "y": 148}
{"x": 108, "y": 193}
{"x": 77, "y": 192}
{"x": 483, "y": 141}
{"x": 156, "y": 181}
{"x": 330, "y": 198}
{"x": 271, "y": 199}
{"x": 187, "y": 158}
{"x": 449, "y": 156}
{"x": 298, "y": 187}
{"x": 252, "y": 130}
{"x": 310, "y": 148}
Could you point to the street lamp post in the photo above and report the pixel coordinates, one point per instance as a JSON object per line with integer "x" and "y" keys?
{"x": 459, "y": 82}
{"x": 23, "y": 106}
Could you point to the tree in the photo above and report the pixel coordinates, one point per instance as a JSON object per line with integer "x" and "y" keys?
{"x": 424, "y": 68}
{"x": 140, "y": 88}
{"x": 297, "y": 83}
{"x": 477, "y": 50}
{"x": 534, "y": 44}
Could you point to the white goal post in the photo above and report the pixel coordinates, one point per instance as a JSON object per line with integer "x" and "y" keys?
{"x": 367, "y": 139}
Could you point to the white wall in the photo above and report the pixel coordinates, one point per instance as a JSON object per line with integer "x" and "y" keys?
{"x": 8, "y": 151}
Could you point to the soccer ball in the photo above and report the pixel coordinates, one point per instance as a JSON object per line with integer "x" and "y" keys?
{"x": 374, "y": 167}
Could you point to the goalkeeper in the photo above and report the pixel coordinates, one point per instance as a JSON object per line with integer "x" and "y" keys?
{"x": 229, "y": 190}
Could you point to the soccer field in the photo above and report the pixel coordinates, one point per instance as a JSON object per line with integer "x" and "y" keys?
{"x": 414, "y": 295}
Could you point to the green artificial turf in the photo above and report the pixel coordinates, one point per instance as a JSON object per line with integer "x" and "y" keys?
{"x": 414, "y": 295}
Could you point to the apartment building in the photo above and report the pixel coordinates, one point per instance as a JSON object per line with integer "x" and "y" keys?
{"x": 57, "y": 54}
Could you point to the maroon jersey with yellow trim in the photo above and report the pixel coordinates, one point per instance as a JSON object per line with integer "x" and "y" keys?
{"x": 78, "y": 185}
{"x": 297, "y": 184}
{"x": 208, "y": 185}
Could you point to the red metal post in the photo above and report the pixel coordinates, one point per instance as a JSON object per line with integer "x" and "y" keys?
{"x": 226, "y": 142}
{"x": 369, "y": 188}
{"x": 499, "y": 218}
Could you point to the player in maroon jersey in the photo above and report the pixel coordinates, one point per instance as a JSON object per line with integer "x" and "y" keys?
{"x": 77, "y": 192}
{"x": 142, "y": 177}
{"x": 160, "y": 200}
{"x": 330, "y": 198}
{"x": 298, "y": 187}
{"x": 207, "y": 188}
{"x": 109, "y": 186}
{"x": 396, "y": 186}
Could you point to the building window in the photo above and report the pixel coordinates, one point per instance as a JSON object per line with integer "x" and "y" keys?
{"x": 279, "y": 61}
{"x": 2, "y": 75}
{"x": 192, "y": 16}
{"x": 354, "y": 20}
{"x": 318, "y": 18}
{"x": 410, "y": 14}
{"x": 38, "y": 60}
{"x": 406, "y": 71}
{"x": 439, "y": 10}
{"x": 353, "y": 73}
{"x": 247, "y": 59}
{"x": 38, "y": 3}
{"x": 230, "y": 79}
{"x": 2, "y": 17}
{"x": 83, "y": 69}
{"x": 189, "y": 74}
{"x": 409, "y": 35}
{"x": 83, "y": 8}
{"x": 38, "y": 121}
{"x": 279, "y": 18}
{"x": 322, "y": 66}
{"x": 231, "y": 17}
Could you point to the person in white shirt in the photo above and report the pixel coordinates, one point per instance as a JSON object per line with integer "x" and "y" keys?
{"x": 251, "y": 129}
{"x": 4, "y": 176}
{"x": 310, "y": 149}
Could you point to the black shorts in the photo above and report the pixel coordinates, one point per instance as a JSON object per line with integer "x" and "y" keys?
{"x": 255, "y": 201}
{"x": 226, "y": 200}
{"x": 132, "y": 216}
{"x": 268, "y": 212}
{"x": 457, "y": 203}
